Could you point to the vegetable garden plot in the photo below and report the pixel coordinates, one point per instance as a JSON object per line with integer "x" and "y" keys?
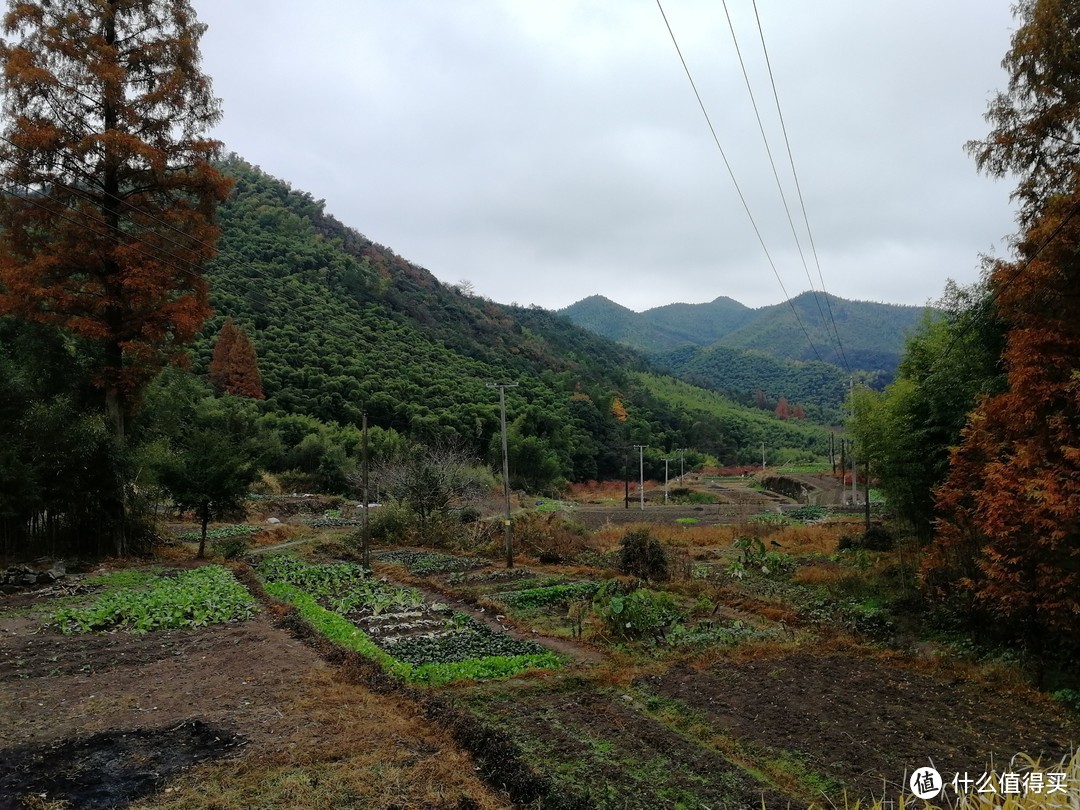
{"x": 197, "y": 598}
{"x": 423, "y": 642}
{"x": 423, "y": 563}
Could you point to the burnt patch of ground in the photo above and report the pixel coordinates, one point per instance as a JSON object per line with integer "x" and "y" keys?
{"x": 606, "y": 750}
{"x": 108, "y": 769}
{"x": 864, "y": 720}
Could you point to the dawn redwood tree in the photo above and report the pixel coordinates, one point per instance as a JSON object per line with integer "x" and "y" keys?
{"x": 783, "y": 410}
{"x": 219, "y": 359}
{"x": 1008, "y": 540}
{"x": 108, "y": 222}
{"x": 234, "y": 366}
{"x": 107, "y": 219}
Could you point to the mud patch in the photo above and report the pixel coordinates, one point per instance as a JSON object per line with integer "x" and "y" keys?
{"x": 109, "y": 769}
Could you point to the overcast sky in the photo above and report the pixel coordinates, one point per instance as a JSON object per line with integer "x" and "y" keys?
{"x": 547, "y": 150}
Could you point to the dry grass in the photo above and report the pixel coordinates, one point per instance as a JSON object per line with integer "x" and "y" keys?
{"x": 823, "y": 538}
{"x": 1069, "y": 799}
{"x": 348, "y": 747}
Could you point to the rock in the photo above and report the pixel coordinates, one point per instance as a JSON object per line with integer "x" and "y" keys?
{"x": 273, "y": 521}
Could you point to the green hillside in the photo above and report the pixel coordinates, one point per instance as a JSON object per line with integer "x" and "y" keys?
{"x": 613, "y": 321}
{"x": 700, "y": 324}
{"x": 872, "y": 334}
{"x": 819, "y": 387}
{"x": 727, "y": 347}
{"x": 343, "y": 326}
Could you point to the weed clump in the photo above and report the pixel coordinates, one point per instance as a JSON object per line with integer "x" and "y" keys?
{"x": 876, "y": 538}
{"x": 641, "y": 555}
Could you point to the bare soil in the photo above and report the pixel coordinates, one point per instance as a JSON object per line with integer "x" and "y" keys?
{"x": 612, "y": 755}
{"x": 865, "y": 721}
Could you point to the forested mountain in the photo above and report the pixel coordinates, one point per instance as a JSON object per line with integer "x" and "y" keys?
{"x": 662, "y": 328}
{"x": 872, "y": 334}
{"x": 727, "y": 347}
{"x": 343, "y": 326}
{"x": 753, "y": 377}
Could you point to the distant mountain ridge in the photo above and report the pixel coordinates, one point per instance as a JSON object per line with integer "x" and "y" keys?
{"x": 756, "y": 355}
{"x": 872, "y": 335}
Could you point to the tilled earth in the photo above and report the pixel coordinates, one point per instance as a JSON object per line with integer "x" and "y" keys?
{"x": 868, "y": 723}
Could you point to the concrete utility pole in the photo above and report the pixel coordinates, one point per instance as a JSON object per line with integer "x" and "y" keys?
{"x": 641, "y": 473}
{"x": 365, "y": 532}
{"x": 851, "y": 447}
{"x": 763, "y": 456}
{"x": 506, "y": 469}
{"x": 866, "y": 491}
{"x": 666, "y": 459}
{"x": 682, "y": 463}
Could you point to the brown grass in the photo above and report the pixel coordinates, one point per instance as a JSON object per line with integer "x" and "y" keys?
{"x": 348, "y": 748}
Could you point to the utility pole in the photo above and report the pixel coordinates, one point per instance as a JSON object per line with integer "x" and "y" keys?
{"x": 851, "y": 445}
{"x": 763, "y": 456}
{"x": 641, "y": 473}
{"x": 666, "y": 459}
{"x": 626, "y": 477}
{"x": 365, "y": 531}
{"x": 866, "y": 490}
{"x": 506, "y": 470}
{"x": 682, "y": 463}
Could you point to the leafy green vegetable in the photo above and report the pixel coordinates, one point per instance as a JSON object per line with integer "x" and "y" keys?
{"x": 551, "y": 595}
{"x": 204, "y": 596}
{"x": 348, "y": 635}
{"x": 221, "y": 532}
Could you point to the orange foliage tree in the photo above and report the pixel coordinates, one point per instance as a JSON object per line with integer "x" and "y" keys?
{"x": 1008, "y": 537}
{"x": 109, "y": 219}
{"x": 234, "y": 367}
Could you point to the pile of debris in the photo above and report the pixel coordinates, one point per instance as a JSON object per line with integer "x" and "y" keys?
{"x": 18, "y": 577}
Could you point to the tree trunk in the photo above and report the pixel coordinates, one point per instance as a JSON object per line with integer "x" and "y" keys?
{"x": 114, "y": 352}
{"x": 204, "y": 513}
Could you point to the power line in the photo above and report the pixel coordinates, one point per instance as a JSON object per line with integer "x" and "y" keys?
{"x": 798, "y": 186}
{"x": 734, "y": 181}
{"x": 192, "y": 269}
{"x": 772, "y": 165}
{"x": 35, "y": 201}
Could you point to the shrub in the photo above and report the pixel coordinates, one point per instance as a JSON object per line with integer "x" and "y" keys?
{"x": 230, "y": 548}
{"x": 689, "y": 496}
{"x": 549, "y": 535}
{"x": 641, "y": 555}
{"x": 639, "y": 614}
{"x": 390, "y": 523}
{"x": 876, "y": 538}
